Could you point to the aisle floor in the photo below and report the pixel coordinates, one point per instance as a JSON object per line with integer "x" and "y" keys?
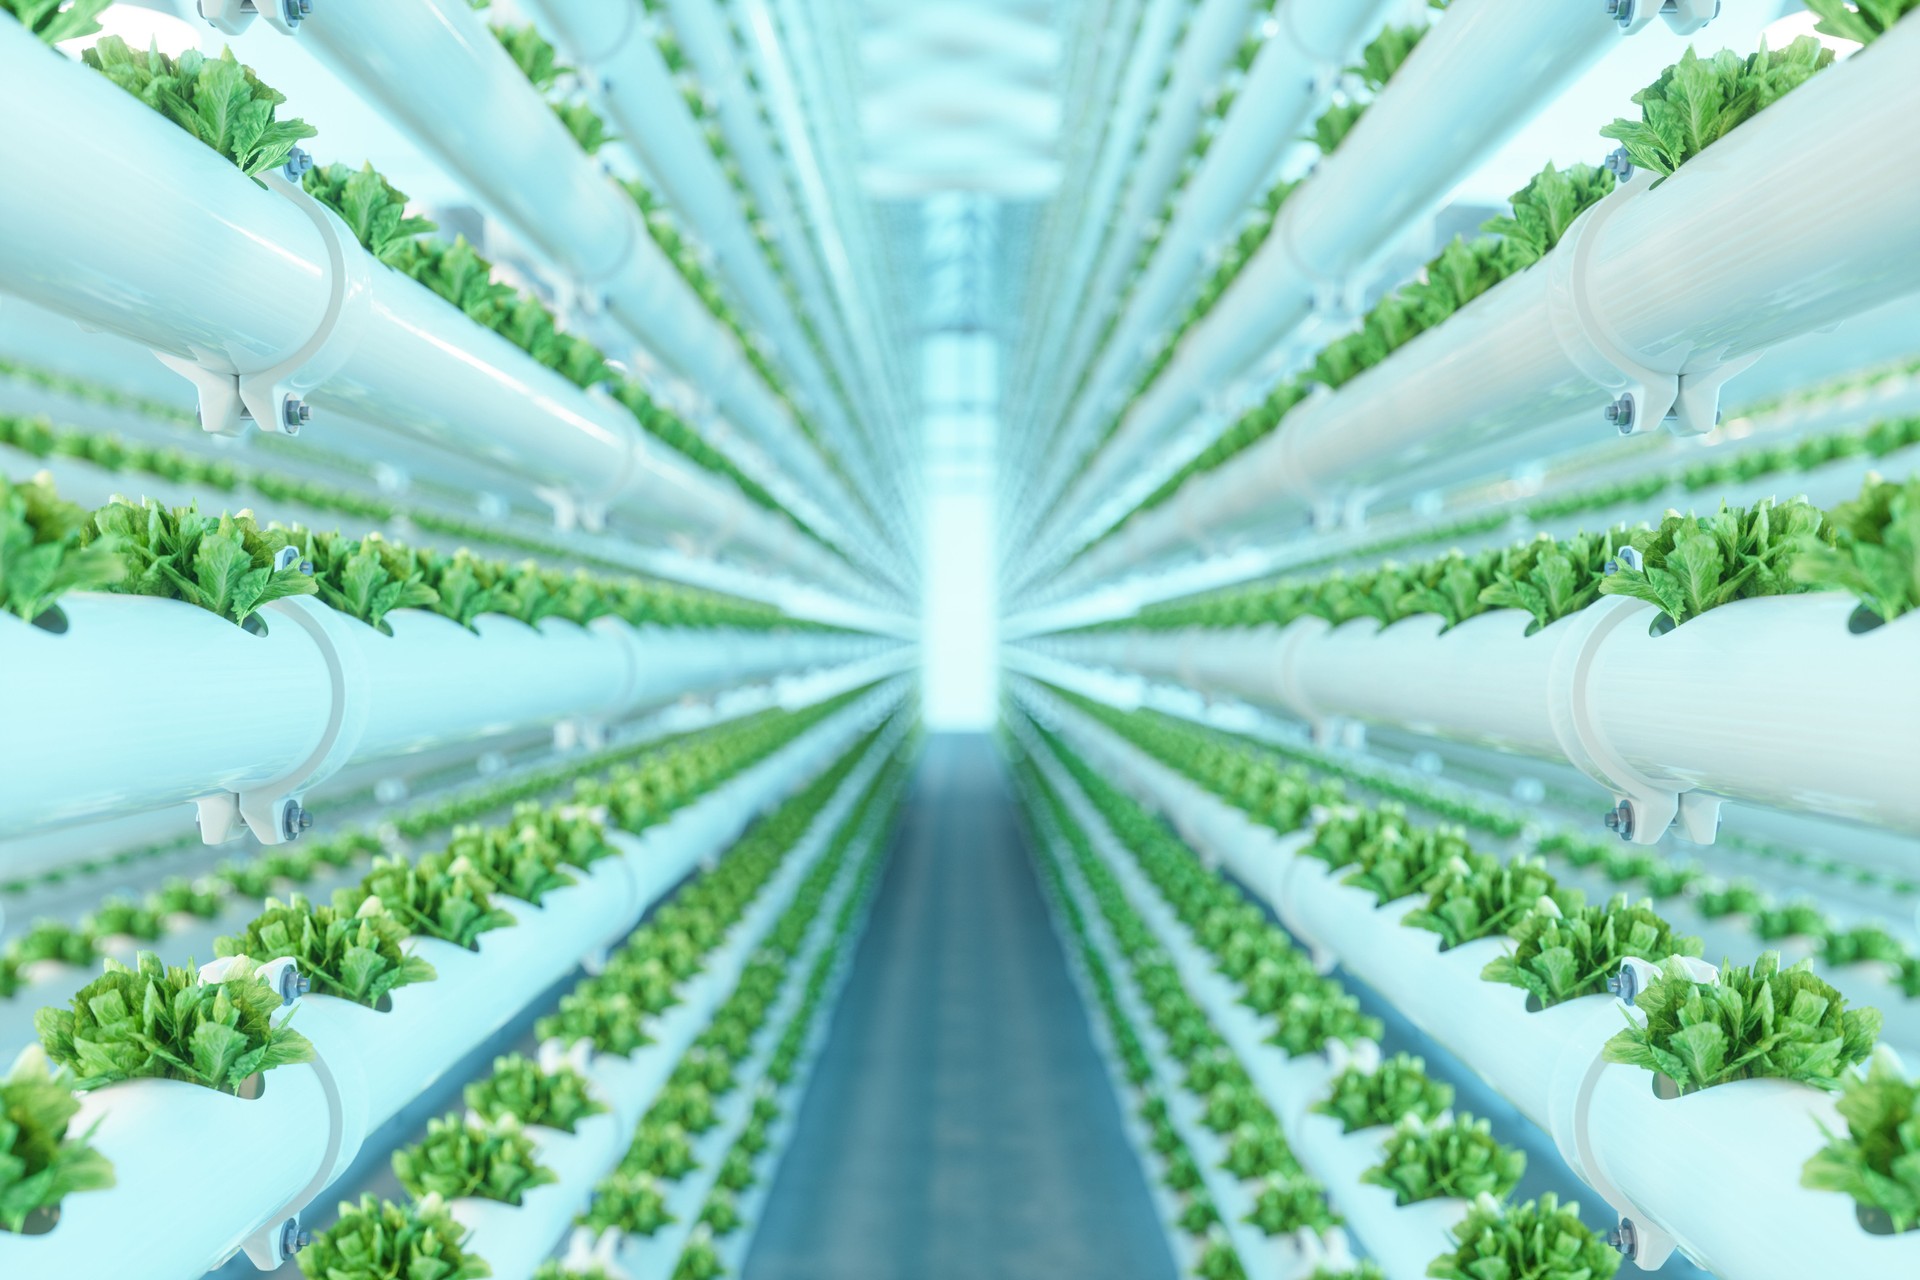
{"x": 960, "y": 1125}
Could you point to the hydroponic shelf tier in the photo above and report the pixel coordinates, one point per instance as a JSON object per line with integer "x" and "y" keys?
{"x": 1408, "y": 511}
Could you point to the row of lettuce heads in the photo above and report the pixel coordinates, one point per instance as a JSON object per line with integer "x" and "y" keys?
{"x": 489, "y": 1154}
{"x": 222, "y": 104}
{"x": 1693, "y": 104}
{"x": 1688, "y": 564}
{"x": 151, "y": 1020}
{"x": 702, "y": 107}
{"x": 1879, "y": 441}
{"x": 1764, "y": 1020}
{"x": 1379, "y": 60}
{"x": 39, "y": 437}
{"x": 539, "y": 62}
{"x": 1426, "y": 1150}
{"x": 636, "y": 785}
{"x": 1798, "y": 921}
{"x": 231, "y": 565}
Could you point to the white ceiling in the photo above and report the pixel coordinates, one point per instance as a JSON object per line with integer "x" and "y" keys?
{"x": 960, "y": 95}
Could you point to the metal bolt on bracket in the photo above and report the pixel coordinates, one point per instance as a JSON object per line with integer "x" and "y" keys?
{"x": 1619, "y": 819}
{"x": 1620, "y": 414}
{"x": 297, "y": 819}
{"x": 293, "y": 985}
{"x": 1625, "y": 1238}
{"x": 295, "y": 413}
{"x": 294, "y": 1238}
{"x": 1624, "y": 983}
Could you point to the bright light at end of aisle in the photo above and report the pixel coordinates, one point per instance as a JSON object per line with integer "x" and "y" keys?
{"x": 958, "y": 641}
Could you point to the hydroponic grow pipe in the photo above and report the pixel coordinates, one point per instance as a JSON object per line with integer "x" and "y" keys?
{"x": 1427, "y": 127}
{"x": 212, "y": 271}
{"x": 775, "y": 65}
{"x": 1264, "y": 1259}
{"x": 1629, "y": 280}
{"x": 610, "y": 43}
{"x": 1403, "y": 1239}
{"x": 1697, "y": 1171}
{"x": 1213, "y": 30}
{"x": 655, "y": 1255}
{"x": 791, "y": 1095}
{"x": 1270, "y": 108}
{"x": 515, "y": 1239}
{"x": 1119, "y": 131}
{"x": 435, "y": 68}
{"x": 1660, "y": 720}
{"x": 258, "y": 1162}
{"x": 210, "y": 711}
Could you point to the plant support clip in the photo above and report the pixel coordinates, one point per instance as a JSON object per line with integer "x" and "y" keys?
{"x": 231, "y": 17}
{"x": 1684, "y": 401}
{"x": 274, "y": 397}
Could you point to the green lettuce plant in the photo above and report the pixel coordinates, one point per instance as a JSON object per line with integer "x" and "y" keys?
{"x": 44, "y": 552}
{"x": 626, "y": 1202}
{"x": 557, "y": 1099}
{"x": 52, "y": 940}
{"x": 1877, "y": 1159}
{"x": 366, "y": 578}
{"x": 362, "y": 956}
{"x": 1285, "y": 1205}
{"x": 1799, "y": 918}
{"x": 1539, "y": 1240}
{"x": 1460, "y": 1157}
{"x": 1696, "y": 563}
{"x": 1875, "y": 551}
{"x": 430, "y": 898}
{"x": 1477, "y": 895}
{"x": 118, "y": 917}
{"x": 1757, "y": 1022}
{"x": 225, "y": 564}
{"x": 217, "y": 100}
{"x": 490, "y": 1160}
{"x": 1552, "y": 579}
{"x": 1733, "y": 897}
{"x": 554, "y": 1269}
{"x": 1397, "y": 1088}
{"x": 1862, "y": 944}
{"x": 1864, "y": 21}
{"x": 518, "y": 862}
{"x": 149, "y": 1021}
{"x": 721, "y": 1213}
{"x": 613, "y": 1021}
{"x": 54, "y": 23}
{"x": 379, "y": 1240}
{"x": 42, "y": 1161}
{"x": 1559, "y": 956}
{"x": 181, "y": 896}
{"x": 1363, "y": 1270}
{"x": 1697, "y": 101}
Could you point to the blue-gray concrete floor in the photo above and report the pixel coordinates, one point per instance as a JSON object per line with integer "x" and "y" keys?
{"x": 960, "y": 1125}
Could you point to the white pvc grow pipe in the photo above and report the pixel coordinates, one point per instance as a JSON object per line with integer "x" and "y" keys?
{"x": 264, "y": 717}
{"x": 436, "y": 67}
{"x": 1698, "y": 1171}
{"x": 165, "y": 1136}
{"x": 1269, "y": 110}
{"x": 1651, "y": 717}
{"x": 1402, "y": 1239}
{"x": 1426, "y": 128}
{"x": 514, "y": 1239}
{"x": 1626, "y": 304}
{"x": 210, "y": 269}
{"x": 1212, "y": 29}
